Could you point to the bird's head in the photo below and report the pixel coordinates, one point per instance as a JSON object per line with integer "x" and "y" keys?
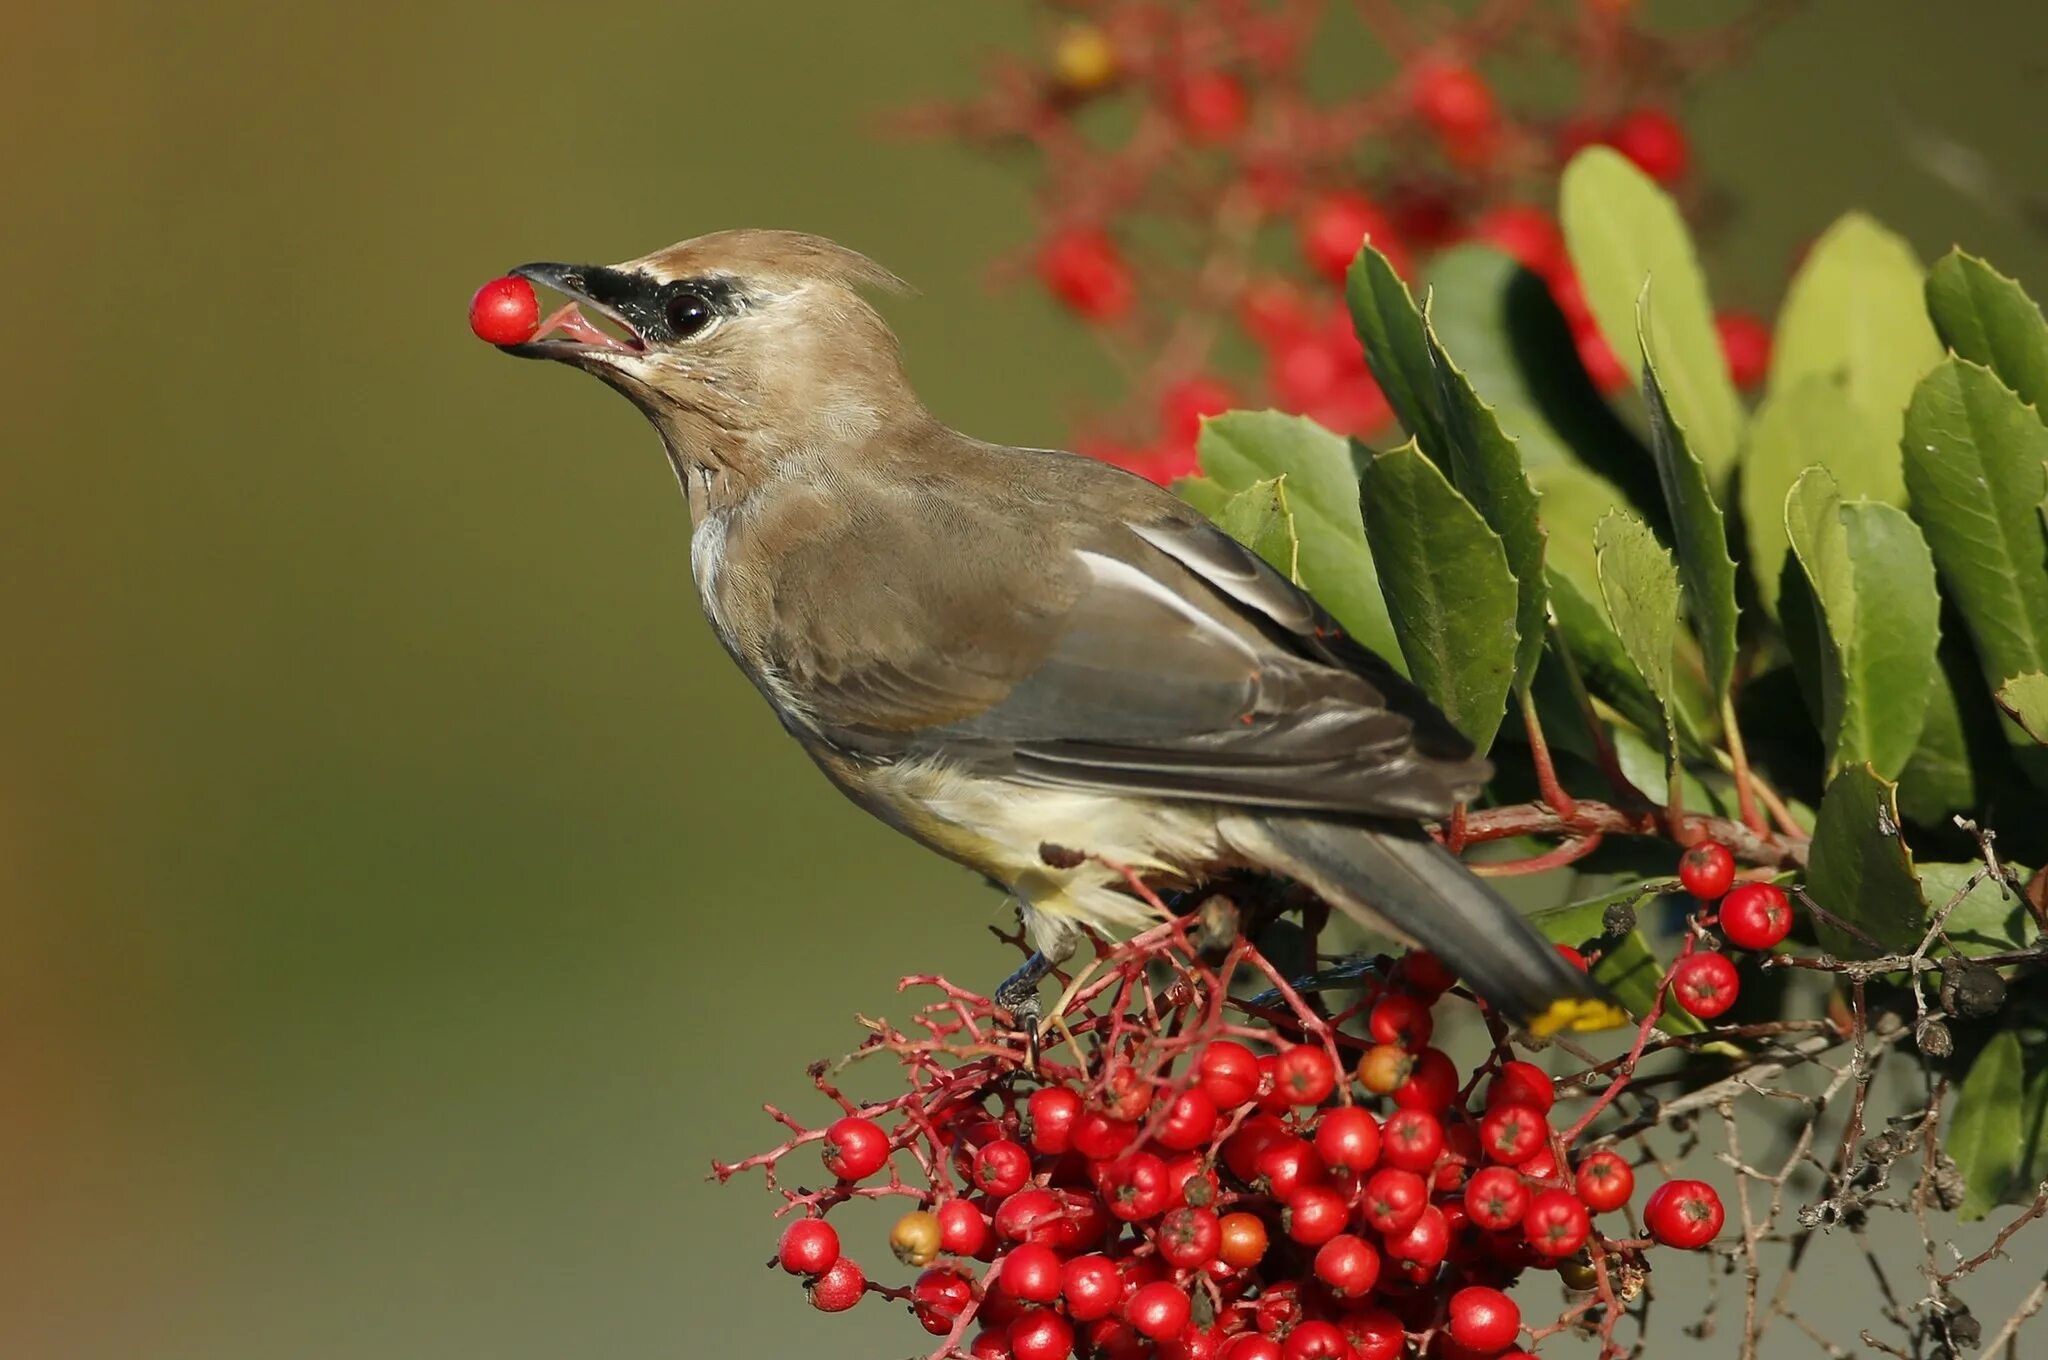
{"x": 742, "y": 347}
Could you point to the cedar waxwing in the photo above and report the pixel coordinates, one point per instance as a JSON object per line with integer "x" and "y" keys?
{"x": 1013, "y": 654}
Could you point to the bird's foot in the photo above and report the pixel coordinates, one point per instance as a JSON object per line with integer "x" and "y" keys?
{"x": 1018, "y": 994}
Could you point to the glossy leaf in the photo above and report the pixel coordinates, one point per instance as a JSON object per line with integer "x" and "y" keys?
{"x": 1855, "y": 315}
{"x": 1811, "y": 423}
{"x": 1389, "y": 325}
{"x": 2025, "y": 700}
{"x": 1974, "y": 469}
{"x": 1940, "y": 779}
{"x": 1860, "y": 871}
{"x": 1704, "y": 566}
{"x": 2000, "y": 1121}
{"x": 1259, "y": 518}
{"x": 1623, "y": 231}
{"x": 1639, "y": 585}
{"x": 1448, "y": 589}
{"x": 1988, "y": 319}
{"x": 1245, "y": 447}
{"x": 1988, "y": 920}
{"x": 1872, "y": 580}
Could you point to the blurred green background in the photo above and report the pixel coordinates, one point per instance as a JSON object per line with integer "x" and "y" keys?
{"x": 403, "y": 899}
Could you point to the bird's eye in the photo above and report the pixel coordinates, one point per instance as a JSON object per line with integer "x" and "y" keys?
{"x": 688, "y": 313}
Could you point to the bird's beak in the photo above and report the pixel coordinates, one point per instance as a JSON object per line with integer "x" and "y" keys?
{"x": 613, "y": 295}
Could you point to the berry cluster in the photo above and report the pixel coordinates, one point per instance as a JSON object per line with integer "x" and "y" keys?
{"x": 1204, "y": 197}
{"x": 1749, "y": 915}
{"x": 1301, "y": 1186}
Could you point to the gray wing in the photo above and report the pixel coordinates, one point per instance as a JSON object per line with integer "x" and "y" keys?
{"x": 1179, "y": 665}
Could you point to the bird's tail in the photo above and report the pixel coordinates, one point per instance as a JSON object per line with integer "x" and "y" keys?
{"x": 1396, "y": 878}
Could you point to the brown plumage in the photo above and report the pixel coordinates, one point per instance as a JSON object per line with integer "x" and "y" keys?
{"x": 995, "y": 649}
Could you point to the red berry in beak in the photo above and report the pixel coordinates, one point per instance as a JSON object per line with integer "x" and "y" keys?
{"x": 505, "y": 312}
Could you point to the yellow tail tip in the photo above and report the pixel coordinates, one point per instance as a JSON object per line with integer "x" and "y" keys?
{"x": 1578, "y": 1013}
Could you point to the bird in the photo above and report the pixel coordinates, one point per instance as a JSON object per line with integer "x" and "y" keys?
{"x": 1032, "y": 662}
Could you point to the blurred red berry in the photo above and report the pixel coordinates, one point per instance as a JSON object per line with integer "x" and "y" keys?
{"x": 1210, "y": 105}
{"x": 1424, "y": 974}
{"x": 1746, "y": 344}
{"x": 1453, "y": 99}
{"x": 1525, "y": 234}
{"x": 1185, "y": 404}
{"x": 1084, "y": 269}
{"x": 1653, "y": 139}
{"x": 1337, "y": 225}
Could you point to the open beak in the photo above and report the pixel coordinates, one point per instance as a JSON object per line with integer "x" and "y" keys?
{"x": 569, "y": 332}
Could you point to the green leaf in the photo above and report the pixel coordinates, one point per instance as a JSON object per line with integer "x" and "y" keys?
{"x": 1448, "y": 589}
{"x": 1627, "y": 965}
{"x": 1624, "y": 231}
{"x": 1812, "y": 423}
{"x": 1988, "y": 920}
{"x": 1205, "y": 495}
{"x": 1515, "y": 346}
{"x": 1997, "y": 1137}
{"x": 1244, "y": 447}
{"x": 1988, "y": 319}
{"x": 1859, "y": 869}
{"x": 1389, "y": 325}
{"x": 1486, "y": 468}
{"x": 1941, "y": 779}
{"x": 1872, "y": 580}
{"x": 1640, "y": 587}
{"x": 1696, "y": 523}
{"x": 1259, "y": 518}
{"x": 1974, "y": 470}
{"x": 1855, "y": 315}
{"x": 2025, "y": 700}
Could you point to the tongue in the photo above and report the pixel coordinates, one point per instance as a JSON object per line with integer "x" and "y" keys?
{"x": 568, "y": 321}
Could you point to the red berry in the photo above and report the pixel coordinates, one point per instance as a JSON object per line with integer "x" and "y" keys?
{"x": 963, "y": 1228}
{"x": 1244, "y": 1241}
{"x": 1432, "y": 1084}
{"x": 1525, "y": 234}
{"x": 1001, "y": 1168}
{"x": 1286, "y": 1166}
{"x": 1373, "y": 1333}
{"x": 1251, "y": 1346}
{"x": 1032, "y": 1215}
{"x": 1083, "y": 268}
{"x": 1683, "y": 1214}
{"x": 809, "y": 1247}
{"x": 1228, "y": 1073}
{"x": 1241, "y": 1151}
{"x": 1411, "y": 1140}
{"x": 1604, "y": 1180}
{"x": 1315, "y": 1340}
{"x": 1134, "y": 1186}
{"x": 1600, "y": 364}
{"x": 939, "y": 1296}
{"x": 1194, "y": 1343}
{"x": 1511, "y": 1134}
{"x": 1029, "y": 1272}
{"x": 1496, "y": 1198}
{"x": 1348, "y": 1140}
{"x": 1653, "y": 139}
{"x": 1707, "y": 869}
{"x": 1393, "y": 1200}
{"x": 1126, "y": 1094}
{"x": 1746, "y": 344}
{"x": 1706, "y": 984}
{"x": 1092, "y": 1286}
{"x": 505, "y": 312}
{"x": 1279, "y": 1307}
{"x": 1755, "y": 915}
{"x": 1556, "y": 1223}
{"x": 1210, "y": 105}
{"x": 1304, "y": 1074}
{"x": 1041, "y": 1334}
{"x": 1424, "y": 973}
{"x": 1521, "y": 1083}
{"x": 1190, "y": 1121}
{"x": 1190, "y": 1181}
{"x": 1398, "y": 1018}
{"x": 993, "y": 1344}
{"x": 1052, "y": 1114}
{"x": 1100, "y": 1138}
{"x": 1454, "y": 99}
{"x": 1158, "y": 1311}
{"x": 1186, "y": 404}
{"x": 1337, "y": 225}
{"x": 1112, "y": 1338}
{"x": 855, "y": 1148}
{"x": 1349, "y": 1265}
{"x": 1304, "y": 370}
{"x": 839, "y": 1288}
{"x": 1484, "y": 1320}
{"x": 1189, "y": 1238}
{"x": 1424, "y": 1245}
{"x": 1271, "y": 311}
{"x": 1315, "y": 1214}
{"x": 1574, "y": 958}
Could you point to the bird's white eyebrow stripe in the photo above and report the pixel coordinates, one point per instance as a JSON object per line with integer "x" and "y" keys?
{"x": 1112, "y": 572}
